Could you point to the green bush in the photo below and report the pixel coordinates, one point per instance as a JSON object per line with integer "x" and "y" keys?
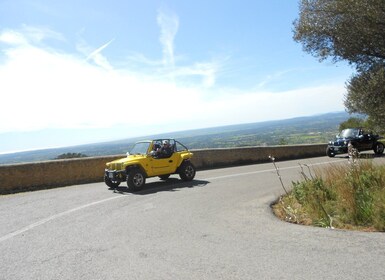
{"x": 349, "y": 197}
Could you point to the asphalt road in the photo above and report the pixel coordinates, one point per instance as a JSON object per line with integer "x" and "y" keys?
{"x": 219, "y": 226}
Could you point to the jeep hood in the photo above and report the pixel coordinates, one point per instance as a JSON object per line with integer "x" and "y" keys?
{"x": 128, "y": 158}
{"x": 118, "y": 163}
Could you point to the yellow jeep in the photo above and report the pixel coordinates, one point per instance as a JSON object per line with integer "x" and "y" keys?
{"x": 160, "y": 157}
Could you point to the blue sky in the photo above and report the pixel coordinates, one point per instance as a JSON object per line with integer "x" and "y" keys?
{"x": 85, "y": 71}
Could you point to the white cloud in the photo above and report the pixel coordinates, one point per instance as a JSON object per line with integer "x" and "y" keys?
{"x": 29, "y": 35}
{"x": 236, "y": 107}
{"x": 169, "y": 24}
{"x": 43, "y": 88}
{"x": 13, "y": 38}
{"x": 206, "y": 70}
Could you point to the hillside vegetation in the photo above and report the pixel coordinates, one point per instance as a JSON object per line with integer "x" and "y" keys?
{"x": 345, "y": 197}
{"x": 303, "y": 130}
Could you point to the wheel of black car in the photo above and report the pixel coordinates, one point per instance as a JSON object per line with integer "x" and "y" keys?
{"x": 329, "y": 152}
{"x": 378, "y": 148}
{"x": 135, "y": 180}
{"x": 164, "y": 177}
{"x": 187, "y": 171}
{"x": 110, "y": 183}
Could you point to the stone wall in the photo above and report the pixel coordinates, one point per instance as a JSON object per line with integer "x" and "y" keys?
{"x": 58, "y": 173}
{"x": 212, "y": 158}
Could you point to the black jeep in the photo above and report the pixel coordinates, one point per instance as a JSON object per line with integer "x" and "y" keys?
{"x": 358, "y": 139}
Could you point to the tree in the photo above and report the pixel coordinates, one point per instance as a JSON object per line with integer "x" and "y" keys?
{"x": 71, "y": 155}
{"x": 351, "y": 30}
{"x": 353, "y": 122}
{"x": 366, "y": 94}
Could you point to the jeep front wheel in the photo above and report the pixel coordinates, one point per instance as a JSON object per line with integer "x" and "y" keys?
{"x": 378, "y": 148}
{"x": 330, "y": 152}
{"x": 110, "y": 183}
{"x": 135, "y": 180}
{"x": 187, "y": 171}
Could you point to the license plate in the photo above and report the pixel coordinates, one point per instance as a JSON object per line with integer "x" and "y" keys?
{"x": 111, "y": 175}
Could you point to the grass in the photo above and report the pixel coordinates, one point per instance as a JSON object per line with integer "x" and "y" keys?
{"x": 339, "y": 196}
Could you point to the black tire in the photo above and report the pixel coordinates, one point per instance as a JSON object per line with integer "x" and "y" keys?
{"x": 187, "y": 171}
{"x": 135, "y": 180}
{"x": 110, "y": 183}
{"x": 378, "y": 148}
{"x": 329, "y": 152}
{"x": 164, "y": 177}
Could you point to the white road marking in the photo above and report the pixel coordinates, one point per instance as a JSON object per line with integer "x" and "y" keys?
{"x": 56, "y": 216}
{"x": 268, "y": 170}
{"x": 53, "y": 217}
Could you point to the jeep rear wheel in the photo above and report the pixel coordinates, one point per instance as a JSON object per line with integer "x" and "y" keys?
{"x": 135, "y": 180}
{"x": 187, "y": 171}
{"x": 110, "y": 183}
{"x": 330, "y": 152}
{"x": 378, "y": 148}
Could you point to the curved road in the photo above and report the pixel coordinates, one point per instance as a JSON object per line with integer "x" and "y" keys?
{"x": 219, "y": 226}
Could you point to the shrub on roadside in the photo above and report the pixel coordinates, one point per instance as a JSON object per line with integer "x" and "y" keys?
{"x": 348, "y": 197}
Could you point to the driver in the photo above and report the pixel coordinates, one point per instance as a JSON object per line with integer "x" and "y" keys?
{"x": 165, "y": 151}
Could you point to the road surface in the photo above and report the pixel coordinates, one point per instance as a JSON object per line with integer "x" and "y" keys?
{"x": 219, "y": 226}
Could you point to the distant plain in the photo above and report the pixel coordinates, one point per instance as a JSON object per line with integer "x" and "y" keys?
{"x": 301, "y": 130}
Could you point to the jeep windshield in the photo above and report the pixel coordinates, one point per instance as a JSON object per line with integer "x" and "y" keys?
{"x": 349, "y": 133}
{"x": 140, "y": 148}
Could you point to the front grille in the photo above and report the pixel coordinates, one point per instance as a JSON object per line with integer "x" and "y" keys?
{"x": 116, "y": 166}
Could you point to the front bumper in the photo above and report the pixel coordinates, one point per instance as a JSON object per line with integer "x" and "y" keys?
{"x": 338, "y": 149}
{"x": 115, "y": 175}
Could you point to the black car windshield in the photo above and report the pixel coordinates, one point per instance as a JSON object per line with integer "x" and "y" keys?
{"x": 349, "y": 133}
{"x": 140, "y": 148}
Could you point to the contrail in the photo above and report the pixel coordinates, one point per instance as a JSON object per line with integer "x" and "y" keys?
{"x": 98, "y": 50}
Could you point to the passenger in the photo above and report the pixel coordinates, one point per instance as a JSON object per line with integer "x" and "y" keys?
{"x": 166, "y": 150}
